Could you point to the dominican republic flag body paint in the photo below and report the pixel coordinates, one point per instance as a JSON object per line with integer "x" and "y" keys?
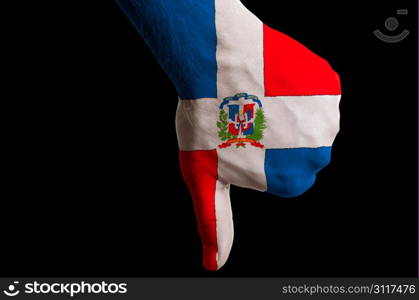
{"x": 256, "y": 108}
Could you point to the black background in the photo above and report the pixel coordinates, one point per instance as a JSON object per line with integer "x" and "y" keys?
{"x": 92, "y": 182}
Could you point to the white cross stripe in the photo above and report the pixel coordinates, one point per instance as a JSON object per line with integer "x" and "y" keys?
{"x": 291, "y": 122}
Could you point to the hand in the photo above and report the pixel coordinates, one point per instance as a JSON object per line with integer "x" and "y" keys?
{"x": 257, "y": 109}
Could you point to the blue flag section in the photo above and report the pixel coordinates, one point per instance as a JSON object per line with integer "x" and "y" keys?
{"x": 180, "y": 31}
{"x": 291, "y": 172}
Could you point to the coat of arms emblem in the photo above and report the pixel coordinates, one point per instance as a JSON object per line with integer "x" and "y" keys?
{"x": 241, "y": 121}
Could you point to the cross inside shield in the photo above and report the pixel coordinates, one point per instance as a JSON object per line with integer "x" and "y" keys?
{"x": 241, "y": 119}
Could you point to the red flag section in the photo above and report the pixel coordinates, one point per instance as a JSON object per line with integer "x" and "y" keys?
{"x": 291, "y": 69}
{"x": 199, "y": 170}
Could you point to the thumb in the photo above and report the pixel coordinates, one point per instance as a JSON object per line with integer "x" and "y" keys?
{"x": 211, "y": 200}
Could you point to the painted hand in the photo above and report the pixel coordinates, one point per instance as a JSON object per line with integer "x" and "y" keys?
{"x": 256, "y": 108}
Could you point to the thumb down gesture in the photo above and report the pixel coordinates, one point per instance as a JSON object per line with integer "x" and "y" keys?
{"x": 256, "y": 108}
